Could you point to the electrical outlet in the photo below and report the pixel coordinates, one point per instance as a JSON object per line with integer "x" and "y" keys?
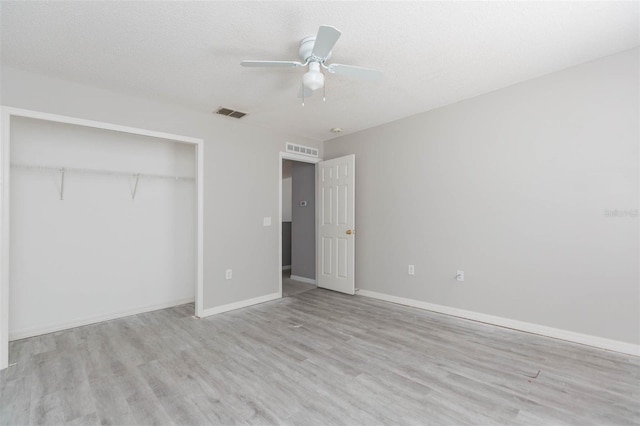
{"x": 266, "y": 221}
{"x": 412, "y": 270}
{"x": 229, "y": 274}
{"x": 460, "y": 275}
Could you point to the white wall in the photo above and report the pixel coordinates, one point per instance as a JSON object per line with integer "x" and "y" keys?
{"x": 241, "y": 183}
{"x": 98, "y": 253}
{"x": 513, "y": 188}
{"x": 286, "y": 199}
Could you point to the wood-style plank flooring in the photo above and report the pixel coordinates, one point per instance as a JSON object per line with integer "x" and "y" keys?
{"x": 292, "y": 287}
{"x": 317, "y": 358}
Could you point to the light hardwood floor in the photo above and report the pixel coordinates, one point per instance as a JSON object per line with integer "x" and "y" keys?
{"x": 291, "y": 287}
{"x": 317, "y": 358}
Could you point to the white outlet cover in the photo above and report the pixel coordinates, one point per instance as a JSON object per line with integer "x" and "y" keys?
{"x": 266, "y": 221}
{"x": 229, "y": 274}
{"x": 412, "y": 270}
{"x": 460, "y": 275}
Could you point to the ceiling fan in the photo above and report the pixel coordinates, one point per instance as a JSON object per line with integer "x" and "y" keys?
{"x": 315, "y": 51}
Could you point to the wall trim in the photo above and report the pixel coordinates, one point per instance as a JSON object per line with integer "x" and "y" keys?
{"x": 302, "y": 279}
{"x": 48, "y": 328}
{"x": 542, "y": 330}
{"x": 241, "y": 304}
{"x": 286, "y": 267}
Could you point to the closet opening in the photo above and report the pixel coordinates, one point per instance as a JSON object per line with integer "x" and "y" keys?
{"x": 104, "y": 221}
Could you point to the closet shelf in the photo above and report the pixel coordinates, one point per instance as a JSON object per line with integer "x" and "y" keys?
{"x": 67, "y": 170}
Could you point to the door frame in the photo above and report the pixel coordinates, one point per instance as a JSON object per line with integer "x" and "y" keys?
{"x": 303, "y": 159}
{"x": 6, "y": 114}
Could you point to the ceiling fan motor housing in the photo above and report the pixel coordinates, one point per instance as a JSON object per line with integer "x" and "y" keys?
{"x": 306, "y": 47}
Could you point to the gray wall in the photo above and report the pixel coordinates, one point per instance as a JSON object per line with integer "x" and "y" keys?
{"x": 241, "y": 182}
{"x": 513, "y": 187}
{"x": 286, "y": 212}
{"x": 286, "y": 243}
{"x": 303, "y": 227}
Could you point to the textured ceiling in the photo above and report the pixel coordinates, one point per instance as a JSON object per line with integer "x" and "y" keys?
{"x": 431, "y": 53}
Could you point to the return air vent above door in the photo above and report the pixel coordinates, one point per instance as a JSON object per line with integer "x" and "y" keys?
{"x": 302, "y": 150}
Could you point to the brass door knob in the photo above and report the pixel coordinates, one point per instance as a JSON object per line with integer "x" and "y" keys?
{"x": 349, "y": 232}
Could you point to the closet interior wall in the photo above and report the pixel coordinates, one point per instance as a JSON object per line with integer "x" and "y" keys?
{"x": 103, "y": 224}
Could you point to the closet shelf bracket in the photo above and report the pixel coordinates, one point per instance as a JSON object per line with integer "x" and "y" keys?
{"x": 136, "y": 178}
{"x": 61, "y": 184}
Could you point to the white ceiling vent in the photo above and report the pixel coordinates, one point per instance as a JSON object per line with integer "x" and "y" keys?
{"x": 302, "y": 150}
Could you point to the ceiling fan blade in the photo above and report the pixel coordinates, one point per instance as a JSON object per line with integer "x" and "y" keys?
{"x": 272, "y": 64}
{"x": 304, "y": 92}
{"x": 357, "y": 72}
{"x": 325, "y": 40}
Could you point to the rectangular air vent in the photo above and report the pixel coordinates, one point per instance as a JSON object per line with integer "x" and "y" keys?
{"x": 230, "y": 113}
{"x": 302, "y": 150}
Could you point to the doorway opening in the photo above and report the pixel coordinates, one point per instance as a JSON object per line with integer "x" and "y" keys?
{"x": 298, "y": 227}
{"x": 297, "y": 245}
{"x": 334, "y": 221}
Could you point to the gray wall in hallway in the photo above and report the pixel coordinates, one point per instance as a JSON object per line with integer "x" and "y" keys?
{"x": 303, "y": 227}
{"x": 286, "y": 243}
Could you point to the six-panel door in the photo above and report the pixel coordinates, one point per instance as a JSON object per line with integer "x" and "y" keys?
{"x": 336, "y": 224}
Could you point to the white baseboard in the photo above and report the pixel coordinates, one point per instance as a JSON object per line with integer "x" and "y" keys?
{"x": 49, "y": 328}
{"x": 286, "y": 267}
{"x": 240, "y": 304}
{"x": 571, "y": 336}
{"x": 302, "y": 279}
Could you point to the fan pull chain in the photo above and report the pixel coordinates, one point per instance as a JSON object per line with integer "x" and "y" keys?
{"x": 302, "y": 84}
{"x": 324, "y": 92}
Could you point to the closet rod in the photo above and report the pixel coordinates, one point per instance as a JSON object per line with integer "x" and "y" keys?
{"x": 95, "y": 171}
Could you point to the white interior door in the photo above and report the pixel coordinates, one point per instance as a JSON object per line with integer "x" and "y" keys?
{"x": 336, "y": 224}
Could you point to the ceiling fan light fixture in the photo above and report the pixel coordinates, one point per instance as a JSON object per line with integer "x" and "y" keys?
{"x": 314, "y": 52}
{"x": 313, "y": 79}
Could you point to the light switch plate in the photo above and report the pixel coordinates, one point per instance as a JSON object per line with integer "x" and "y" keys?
{"x": 266, "y": 221}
